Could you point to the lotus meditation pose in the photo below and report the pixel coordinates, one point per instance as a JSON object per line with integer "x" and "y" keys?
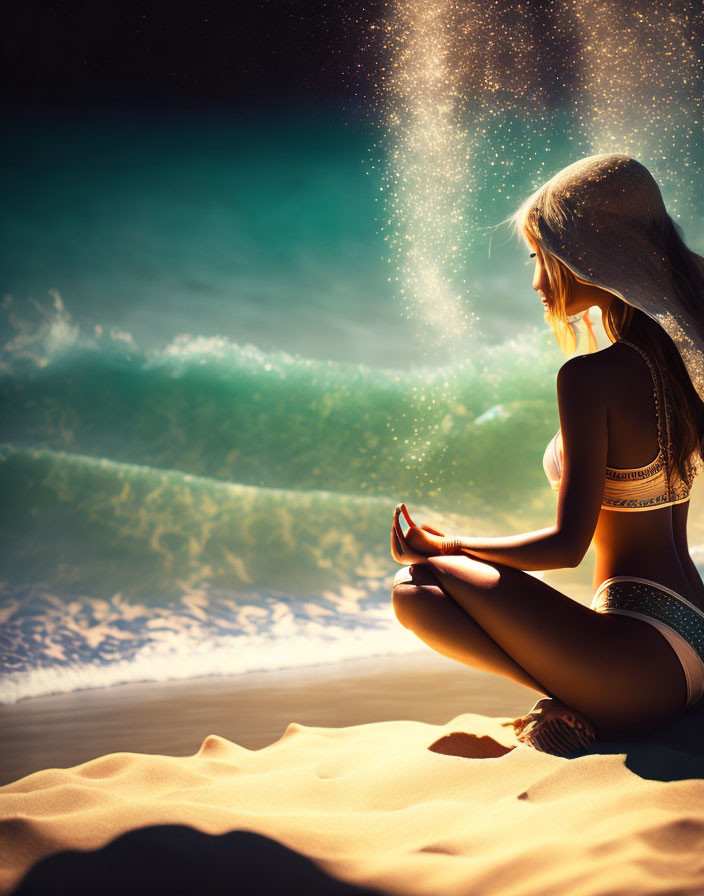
{"x": 630, "y": 442}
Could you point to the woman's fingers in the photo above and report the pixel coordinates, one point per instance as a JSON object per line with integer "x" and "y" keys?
{"x": 396, "y": 550}
{"x": 432, "y": 531}
{"x": 397, "y": 541}
{"x": 398, "y": 522}
{"x": 397, "y": 526}
{"x": 400, "y": 550}
{"x": 404, "y": 510}
{"x": 403, "y": 548}
{"x": 400, "y": 553}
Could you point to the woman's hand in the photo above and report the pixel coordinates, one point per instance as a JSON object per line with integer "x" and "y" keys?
{"x": 419, "y": 543}
{"x": 400, "y": 550}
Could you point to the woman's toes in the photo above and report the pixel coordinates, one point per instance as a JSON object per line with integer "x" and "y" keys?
{"x": 519, "y": 724}
{"x": 553, "y": 727}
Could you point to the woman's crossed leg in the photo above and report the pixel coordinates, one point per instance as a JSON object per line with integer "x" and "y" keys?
{"x": 618, "y": 671}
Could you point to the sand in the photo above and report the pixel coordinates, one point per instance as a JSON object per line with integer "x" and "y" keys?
{"x": 368, "y": 805}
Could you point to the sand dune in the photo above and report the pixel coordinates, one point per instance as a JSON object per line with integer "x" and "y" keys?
{"x": 371, "y": 805}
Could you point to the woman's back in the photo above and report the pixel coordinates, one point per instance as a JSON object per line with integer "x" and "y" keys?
{"x": 649, "y": 543}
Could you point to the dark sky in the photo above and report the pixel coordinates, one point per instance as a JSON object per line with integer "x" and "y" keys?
{"x": 258, "y": 51}
{"x": 98, "y": 51}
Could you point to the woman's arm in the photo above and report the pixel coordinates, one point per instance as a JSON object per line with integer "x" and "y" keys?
{"x": 583, "y": 419}
{"x": 541, "y": 549}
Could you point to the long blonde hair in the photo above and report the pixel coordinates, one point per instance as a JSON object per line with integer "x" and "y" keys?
{"x": 623, "y": 320}
{"x": 562, "y": 282}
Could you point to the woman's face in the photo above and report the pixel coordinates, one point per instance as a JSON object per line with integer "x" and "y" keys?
{"x": 541, "y": 283}
{"x": 583, "y": 295}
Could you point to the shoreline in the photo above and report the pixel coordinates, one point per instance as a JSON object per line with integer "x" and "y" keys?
{"x": 252, "y": 709}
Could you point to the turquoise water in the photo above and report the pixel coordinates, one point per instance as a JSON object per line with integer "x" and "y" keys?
{"x": 212, "y": 399}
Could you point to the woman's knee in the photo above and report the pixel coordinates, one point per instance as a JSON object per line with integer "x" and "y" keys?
{"x": 403, "y": 576}
{"x": 482, "y": 574}
{"x": 416, "y": 574}
{"x": 413, "y": 589}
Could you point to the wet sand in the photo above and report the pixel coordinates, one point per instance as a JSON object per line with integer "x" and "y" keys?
{"x": 251, "y": 709}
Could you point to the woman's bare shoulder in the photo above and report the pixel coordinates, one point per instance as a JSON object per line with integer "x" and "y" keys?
{"x": 600, "y": 368}
{"x": 585, "y": 369}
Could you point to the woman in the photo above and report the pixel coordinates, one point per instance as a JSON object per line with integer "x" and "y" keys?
{"x": 631, "y": 438}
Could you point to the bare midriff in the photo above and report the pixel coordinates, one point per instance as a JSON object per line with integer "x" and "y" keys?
{"x": 641, "y": 544}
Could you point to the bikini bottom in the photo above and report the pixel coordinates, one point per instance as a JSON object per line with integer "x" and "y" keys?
{"x": 674, "y": 616}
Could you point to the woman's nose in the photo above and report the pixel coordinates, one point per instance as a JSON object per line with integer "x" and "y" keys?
{"x": 539, "y": 280}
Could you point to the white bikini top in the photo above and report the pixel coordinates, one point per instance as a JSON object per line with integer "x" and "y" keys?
{"x": 633, "y": 488}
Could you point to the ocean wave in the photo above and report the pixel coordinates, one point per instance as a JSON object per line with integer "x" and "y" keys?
{"x": 89, "y": 523}
{"x": 209, "y": 508}
{"x": 213, "y": 408}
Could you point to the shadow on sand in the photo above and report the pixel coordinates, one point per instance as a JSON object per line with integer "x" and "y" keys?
{"x": 673, "y": 752}
{"x": 177, "y": 859}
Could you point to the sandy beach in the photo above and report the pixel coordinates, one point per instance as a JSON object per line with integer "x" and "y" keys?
{"x": 252, "y": 709}
{"x": 324, "y": 776}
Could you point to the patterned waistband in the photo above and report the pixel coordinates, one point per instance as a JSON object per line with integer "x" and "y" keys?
{"x": 644, "y": 596}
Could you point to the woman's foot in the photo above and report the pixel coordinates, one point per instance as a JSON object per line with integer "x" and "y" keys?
{"x": 553, "y": 727}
